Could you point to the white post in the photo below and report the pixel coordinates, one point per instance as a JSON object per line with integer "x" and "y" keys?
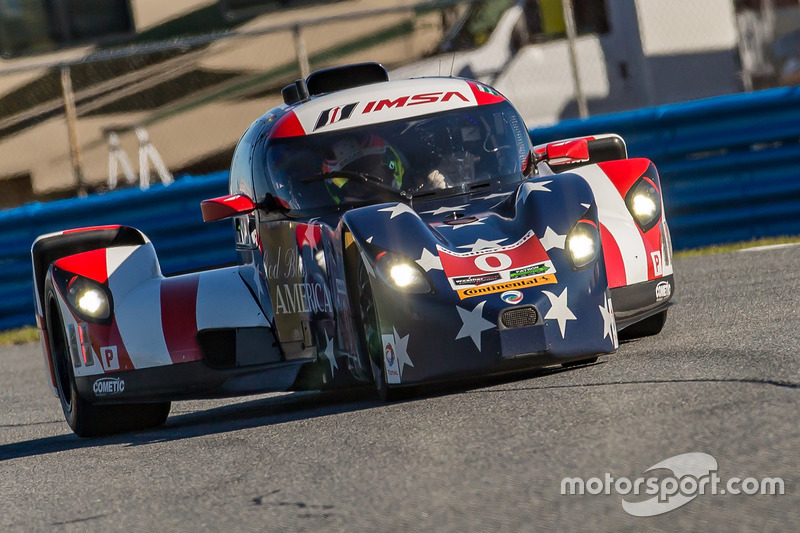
{"x": 147, "y": 154}
{"x": 116, "y": 157}
{"x": 572, "y": 34}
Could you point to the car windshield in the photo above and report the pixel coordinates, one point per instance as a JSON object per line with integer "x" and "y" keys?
{"x": 443, "y": 153}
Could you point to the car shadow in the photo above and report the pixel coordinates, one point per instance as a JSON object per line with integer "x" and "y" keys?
{"x": 262, "y": 412}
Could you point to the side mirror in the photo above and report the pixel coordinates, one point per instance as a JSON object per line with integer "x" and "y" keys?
{"x": 226, "y": 207}
{"x": 565, "y": 152}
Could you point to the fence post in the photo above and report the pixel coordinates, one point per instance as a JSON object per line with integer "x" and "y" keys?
{"x": 300, "y": 51}
{"x": 72, "y": 128}
{"x": 569, "y": 22}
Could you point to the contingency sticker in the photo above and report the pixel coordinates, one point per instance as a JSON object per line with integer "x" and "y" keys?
{"x": 390, "y": 359}
{"x": 522, "y": 264}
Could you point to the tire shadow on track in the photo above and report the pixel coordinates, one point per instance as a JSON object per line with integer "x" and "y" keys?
{"x": 262, "y": 412}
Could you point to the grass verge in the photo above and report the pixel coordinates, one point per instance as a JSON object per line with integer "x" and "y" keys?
{"x": 732, "y": 247}
{"x": 19, "y": 336}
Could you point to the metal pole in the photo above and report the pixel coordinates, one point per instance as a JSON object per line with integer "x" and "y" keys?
{"x": 569, "y": 21}
{"x": 72, "y": 129}
{"x": 300, "y": 50}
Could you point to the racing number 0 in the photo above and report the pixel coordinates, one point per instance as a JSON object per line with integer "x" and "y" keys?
{"x": 499, "y": 261}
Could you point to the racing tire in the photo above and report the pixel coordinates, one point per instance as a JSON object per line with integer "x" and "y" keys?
{"x": 85, "y": 419}
{"x": 588, "y": 361}
{"x": 371, "y": 339}
{"x": 651, "y": 325}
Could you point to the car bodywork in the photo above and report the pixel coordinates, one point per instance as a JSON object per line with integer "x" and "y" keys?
{"x": 402, "y": 282}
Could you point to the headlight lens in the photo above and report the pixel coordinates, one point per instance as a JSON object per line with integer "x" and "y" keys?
{"x": 644, "y": 203}
{"x": 583, "y": 243}
{"x": 88, "y": 298}
{"x": 401, "y": 274}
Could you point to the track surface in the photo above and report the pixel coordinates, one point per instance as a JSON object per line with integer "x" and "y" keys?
{"x": 723, "y": 378}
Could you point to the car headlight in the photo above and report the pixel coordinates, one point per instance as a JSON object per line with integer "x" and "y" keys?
{"x": 89, "y": 299}
{"x": 401, "y": 274}
{"x": 583, "y": 243}
{"x": 644, "y": 203}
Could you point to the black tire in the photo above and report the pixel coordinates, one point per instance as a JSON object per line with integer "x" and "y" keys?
{"x": 85, "y": 419}
{"x": 588, "y": 361}
{"x": 651, "y": 325}
{"x": 372, "y": 341}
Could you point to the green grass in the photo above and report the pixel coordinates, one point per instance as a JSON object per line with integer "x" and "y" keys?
{"x": 732, "y": 247}
{"x": 19, "y": 336}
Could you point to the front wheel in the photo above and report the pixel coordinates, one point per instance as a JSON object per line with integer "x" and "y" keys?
{"x": 85, "y": 419}
{"x": 372, "y": 341}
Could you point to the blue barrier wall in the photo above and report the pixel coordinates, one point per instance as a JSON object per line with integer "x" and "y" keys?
{"x": 729, "y": 166}
{"x": 169, "y": 216}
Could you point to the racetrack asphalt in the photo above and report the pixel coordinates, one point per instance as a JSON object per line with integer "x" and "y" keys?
{"x": 723, "y": 378}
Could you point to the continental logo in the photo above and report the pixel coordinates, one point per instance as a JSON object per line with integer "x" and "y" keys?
{"x": 507, "y": 286}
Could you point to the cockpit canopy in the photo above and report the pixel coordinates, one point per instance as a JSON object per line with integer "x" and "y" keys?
{"x": 443, "y": 153}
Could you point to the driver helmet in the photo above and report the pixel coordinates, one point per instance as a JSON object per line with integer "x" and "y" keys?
{"x": 371, "y": 155}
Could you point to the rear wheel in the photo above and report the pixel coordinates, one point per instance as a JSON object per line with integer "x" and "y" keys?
{"x": 649, "y": 326}
{"x": 85, "y": 419}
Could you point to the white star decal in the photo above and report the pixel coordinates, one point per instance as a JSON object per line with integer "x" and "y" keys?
{"x": 478, "y": 222}
{"x": 369, "y": 239}
{"x": 398, "y": 209}
{"x": 329, "y": 353}
{"x": 309, "y": 235}
{"x": 401, "y": 351}
{"x": 495, "y": 195}
{"x": 609, "y": 324}
{"x": 367, "y": 265}
{"x": 586, "y": 206}
{"x": 429, "y": 261}
{"x": 551, "y": 239}
{"x": 530, "y": 187}
{"x": 559, "y": 310}
{"x": 482, "y": 244}
{"x": 473, "y": 324}
{"x": 443, "y": 210}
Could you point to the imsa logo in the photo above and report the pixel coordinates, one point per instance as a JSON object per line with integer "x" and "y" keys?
{"x": 108, "y": 387}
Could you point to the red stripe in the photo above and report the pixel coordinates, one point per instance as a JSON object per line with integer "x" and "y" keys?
{"x": 615, "y": 266}
{"x": 88, "y": 264}
{"x": 287, "y": 126}
{"x": 105, "y": 336}
{"x": 92, "y": 228}
{"x": 179, "y": 318}
{"x": 624, "y": 172}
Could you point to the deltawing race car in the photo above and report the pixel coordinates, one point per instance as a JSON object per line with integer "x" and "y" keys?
{"x": 393, "y": 232}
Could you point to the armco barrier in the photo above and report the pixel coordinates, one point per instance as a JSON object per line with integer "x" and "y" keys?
{"x": 730, "y": 169}
{"x": 729, "y": 166}
{"x": 169, "y": 216}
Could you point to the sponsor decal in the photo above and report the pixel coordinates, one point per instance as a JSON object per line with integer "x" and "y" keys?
{"x": 502, "y": 287}
{"x": 334, "y": 115}
{"x": 658, "y": 268}
{"x": 302, "y": 298}
{"x": 108, "y": 387}
{"x": 389, "y": 353}
{"x": 498, "y": 269}
{"x": 663, "y": 291}
{"x": 416, "y": 99}
{"x": 532, "y": 271}
{"x": 390, "y": 360}
{"x": 109, "y": 358}
{"x": 511, "y": 297}
{"x": 476, "y": 280}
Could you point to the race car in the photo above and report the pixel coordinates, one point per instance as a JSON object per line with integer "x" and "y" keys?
{"x": 388, "y": 232}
